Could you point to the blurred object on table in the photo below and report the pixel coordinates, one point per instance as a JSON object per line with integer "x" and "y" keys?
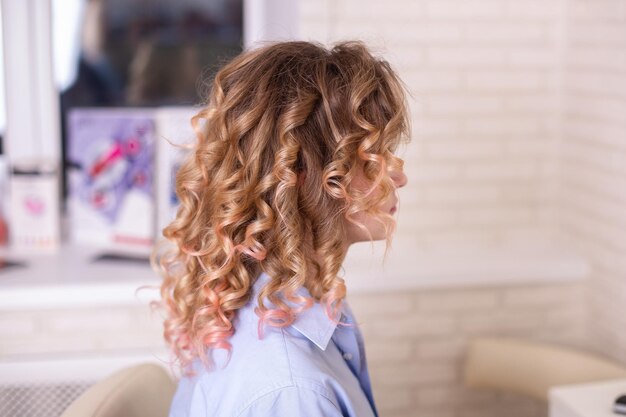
{"x": 34, "y": 213}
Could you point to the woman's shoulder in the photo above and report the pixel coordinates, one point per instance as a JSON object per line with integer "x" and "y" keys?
{"x": 282, "y": 364}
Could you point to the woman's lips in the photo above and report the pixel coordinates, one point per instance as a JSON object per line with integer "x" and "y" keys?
{"x": 393, "y": 210}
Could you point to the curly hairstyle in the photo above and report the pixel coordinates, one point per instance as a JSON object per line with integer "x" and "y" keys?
{"x": 269, "y": 184}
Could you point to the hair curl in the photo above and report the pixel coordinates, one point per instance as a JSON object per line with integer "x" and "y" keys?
{"x": 268, "y": 184}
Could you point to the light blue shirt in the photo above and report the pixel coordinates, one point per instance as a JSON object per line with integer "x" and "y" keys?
{"x": 312, "y": 368}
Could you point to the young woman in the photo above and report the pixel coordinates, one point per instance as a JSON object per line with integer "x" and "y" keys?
{"x": 294, "y": 162}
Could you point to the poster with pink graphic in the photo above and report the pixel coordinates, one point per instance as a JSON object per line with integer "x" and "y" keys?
{"x": 110, "y": 177}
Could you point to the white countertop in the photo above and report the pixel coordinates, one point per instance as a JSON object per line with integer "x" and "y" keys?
{"x": 70, "y": 277}
{"x": 586, "y": 400}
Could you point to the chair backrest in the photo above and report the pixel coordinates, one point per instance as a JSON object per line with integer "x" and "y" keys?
{"x": 144, "y": 390}
{"x": 531, "y": 368}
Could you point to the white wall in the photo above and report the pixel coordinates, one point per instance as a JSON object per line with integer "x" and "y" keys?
{"x": 593, "y": 177}
{"x": 485, "y": 77}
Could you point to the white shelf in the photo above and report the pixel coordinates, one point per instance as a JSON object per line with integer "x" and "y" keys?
{"x": 410, "y": 267}
{"x": 70, "y": 278}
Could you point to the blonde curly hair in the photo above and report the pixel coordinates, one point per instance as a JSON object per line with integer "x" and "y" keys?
{"x": 268, "y": 187}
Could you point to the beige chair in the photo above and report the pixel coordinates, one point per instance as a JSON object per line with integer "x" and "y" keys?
{"x": 144, "y": 390}
{"x": 531, "y": 368}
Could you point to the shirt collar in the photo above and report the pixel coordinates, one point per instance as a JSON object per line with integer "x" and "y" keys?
{"x": 312, "y": 323}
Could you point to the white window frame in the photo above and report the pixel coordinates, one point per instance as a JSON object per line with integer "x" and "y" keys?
{"x": 32, "y": 101}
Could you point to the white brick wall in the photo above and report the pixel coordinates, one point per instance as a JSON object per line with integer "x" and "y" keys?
{"x": 483, "y": 75}
{"x": 416, "y": 348}
{"x": 593, "y": 174}
{"x": 69, "y": 331}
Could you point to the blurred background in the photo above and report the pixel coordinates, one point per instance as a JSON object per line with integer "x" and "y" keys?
{"x": 512, "y": 224}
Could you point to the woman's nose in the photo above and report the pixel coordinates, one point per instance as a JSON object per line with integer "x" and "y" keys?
{"x": 399, "y": 178}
